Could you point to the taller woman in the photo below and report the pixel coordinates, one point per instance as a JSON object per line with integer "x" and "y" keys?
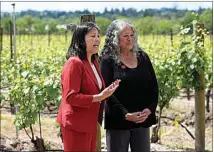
{"x": 82, "y": 90}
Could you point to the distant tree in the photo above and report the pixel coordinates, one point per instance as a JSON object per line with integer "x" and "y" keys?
{"x": 200, "y": 10}
{"x": 103, "y": 23}
{"x": 149, "y": 12}
{"x": 39, "y": 26}
{"x": 86, "y": 11}
{"x": 105, "y": 11}
{"x": 5, "y": 24}
{"x": 52, "y": 25}
{"x": 22, "y": 26}
{"x": 186, "y": 21}
{"x": 131, "y": 12}
{"x": 206, "y": 18}
{"x": 30, "y": 21}
{"x": 146, "y": 21}
{"x": 164, "y": 26}
{"x": 117, "y": 11}
{"x": 5, "y": 15}
{"x": 146, "y": 25}
{"x": 123, "y": 11}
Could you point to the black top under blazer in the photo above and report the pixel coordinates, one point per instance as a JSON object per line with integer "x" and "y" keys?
{"x": 138, "y": 90}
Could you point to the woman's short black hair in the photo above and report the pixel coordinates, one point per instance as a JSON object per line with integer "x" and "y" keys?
{"x": 78, "y": 45}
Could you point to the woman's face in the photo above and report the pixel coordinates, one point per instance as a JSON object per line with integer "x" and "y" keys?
{"x": 92, "y": 40}
{"x": 126, "y": 39}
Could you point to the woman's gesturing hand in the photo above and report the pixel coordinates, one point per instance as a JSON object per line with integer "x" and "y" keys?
{"x": 110, "y": 89}
{"x": 107, "y": 92}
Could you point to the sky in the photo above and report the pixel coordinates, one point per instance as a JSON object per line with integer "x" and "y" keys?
{"x": 100, "y": 6}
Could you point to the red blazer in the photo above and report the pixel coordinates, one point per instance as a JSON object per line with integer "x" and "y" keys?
{"x": 79, "y": 84}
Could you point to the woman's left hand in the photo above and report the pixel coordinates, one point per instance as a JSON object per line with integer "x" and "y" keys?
{"x": 144, "y": 115}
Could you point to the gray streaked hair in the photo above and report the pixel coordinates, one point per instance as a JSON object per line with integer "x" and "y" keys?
{"x": 111, "y": 46}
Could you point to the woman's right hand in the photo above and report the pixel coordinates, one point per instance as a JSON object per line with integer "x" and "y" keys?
{"x": 107, "y": 92}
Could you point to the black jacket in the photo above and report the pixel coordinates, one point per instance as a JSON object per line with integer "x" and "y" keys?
{"x": 138, "y": 90}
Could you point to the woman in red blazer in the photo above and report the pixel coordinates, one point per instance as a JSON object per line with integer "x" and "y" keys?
{"x": 81, "y": 83}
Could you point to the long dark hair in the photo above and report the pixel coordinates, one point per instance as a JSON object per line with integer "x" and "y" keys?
{"x": 78, "y": 45}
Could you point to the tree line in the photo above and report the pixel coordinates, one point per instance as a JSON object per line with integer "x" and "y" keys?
{"x": 148, "y": 21}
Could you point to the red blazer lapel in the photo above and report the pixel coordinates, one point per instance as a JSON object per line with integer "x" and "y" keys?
{"x": 90, "y": 71}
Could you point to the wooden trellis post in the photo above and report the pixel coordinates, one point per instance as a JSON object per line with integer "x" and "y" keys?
{"x": 171, "y": 37}
{"x": 12, "y": 106}
{"x": 49, "y": 38}
{"x": 66, "y": 35}
{"x": 200, "y": 98}
{"x": 11, "y": 40}
{"x": 1, "y": 41}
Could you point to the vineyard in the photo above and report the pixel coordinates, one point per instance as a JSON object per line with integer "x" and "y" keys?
{"x": 30, "y": 85}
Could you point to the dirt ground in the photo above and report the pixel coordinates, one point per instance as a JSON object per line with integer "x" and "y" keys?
{"x": 173, "y": 136}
